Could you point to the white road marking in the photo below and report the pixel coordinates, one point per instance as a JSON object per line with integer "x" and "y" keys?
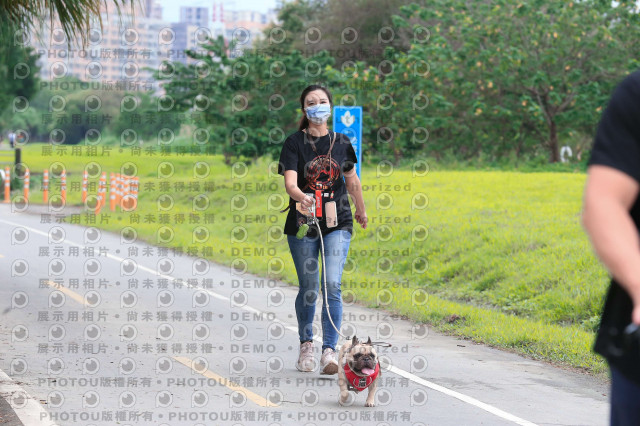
{"x": 461, "y": 397}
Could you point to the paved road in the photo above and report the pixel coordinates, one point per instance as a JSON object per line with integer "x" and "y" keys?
{"x": 96, "y": 329}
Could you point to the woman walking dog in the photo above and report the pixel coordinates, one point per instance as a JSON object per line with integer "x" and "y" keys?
{"x": 318, "y": 166}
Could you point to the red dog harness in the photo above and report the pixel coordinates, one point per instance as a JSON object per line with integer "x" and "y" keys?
{"x": 360, "y": 383}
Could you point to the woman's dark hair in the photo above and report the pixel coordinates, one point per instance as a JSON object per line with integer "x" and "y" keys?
{"x": 304, "y": 121}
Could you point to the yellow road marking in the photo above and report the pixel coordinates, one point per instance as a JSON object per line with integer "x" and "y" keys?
{"x": 72, "y": 294}
{"x": 183, "y": 360}
{"x": 222, "y": 380}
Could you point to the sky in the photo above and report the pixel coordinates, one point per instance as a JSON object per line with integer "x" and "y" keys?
{"x": 171, "y": 8}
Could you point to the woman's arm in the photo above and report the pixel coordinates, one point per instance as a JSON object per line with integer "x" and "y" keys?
{"x": 291, "y": 186}
{"x": 355, "y": 190}
{"x": 608, "y": 197}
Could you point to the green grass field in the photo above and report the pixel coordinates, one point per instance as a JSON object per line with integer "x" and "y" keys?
{"x": 501, "y": 254}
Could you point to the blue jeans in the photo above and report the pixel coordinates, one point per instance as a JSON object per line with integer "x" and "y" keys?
{"x": 305, "y": 258}
{"x": 625, "y": 400}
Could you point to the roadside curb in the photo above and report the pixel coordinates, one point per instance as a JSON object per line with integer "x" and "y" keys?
{"x": 17, "y": 407}
{"x": 7, "y": 415}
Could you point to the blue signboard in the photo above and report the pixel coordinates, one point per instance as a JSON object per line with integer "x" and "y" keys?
{"x": 348, "y": 121}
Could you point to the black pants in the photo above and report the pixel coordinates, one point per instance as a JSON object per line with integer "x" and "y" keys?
{"x": 625, "y": 400}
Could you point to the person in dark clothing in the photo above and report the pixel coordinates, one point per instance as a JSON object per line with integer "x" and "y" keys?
{"x": 611, "y": 218}
{"x": 318, "y": 166}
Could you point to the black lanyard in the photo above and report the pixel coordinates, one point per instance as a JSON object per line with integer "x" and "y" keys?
{"x": 313, "y": 145}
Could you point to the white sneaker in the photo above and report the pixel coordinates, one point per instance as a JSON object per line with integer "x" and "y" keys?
{"x": 328, "y": 362}
{"x": 306, "y": 361}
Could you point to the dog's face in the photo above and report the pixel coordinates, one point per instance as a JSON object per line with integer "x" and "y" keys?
{"x": 362, "y": 357}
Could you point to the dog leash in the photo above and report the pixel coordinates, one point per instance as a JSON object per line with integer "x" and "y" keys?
{"x": 324, "y": 291}
{"x": 324, "y": 268}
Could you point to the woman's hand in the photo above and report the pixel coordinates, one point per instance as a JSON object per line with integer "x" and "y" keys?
{"x": 355, "y": 190}
{"x": 307, "y": 202}
{"x": 361, "y": 218}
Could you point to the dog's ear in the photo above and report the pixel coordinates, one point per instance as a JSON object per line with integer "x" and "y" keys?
{"x": 354, "y": 341}
{"x": 369, "y": 341}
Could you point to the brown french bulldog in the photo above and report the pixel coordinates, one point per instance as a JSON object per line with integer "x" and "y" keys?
{"x": 358, "y": 370}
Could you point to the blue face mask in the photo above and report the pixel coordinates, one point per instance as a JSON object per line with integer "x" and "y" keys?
{"x": 318, "y": 114}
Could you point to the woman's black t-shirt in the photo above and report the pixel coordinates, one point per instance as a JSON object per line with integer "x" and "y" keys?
{"x": 314, "y": 173}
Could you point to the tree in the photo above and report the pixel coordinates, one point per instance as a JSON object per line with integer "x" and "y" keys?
{"x": 394, "y": 123}
{"x": 357, "y": 30}
{"x": 145, "y": 119}
{"x": 294, "y": 18}
{"x": 18, "y": 81}
{"x": 74, "y": 15}
{"x": 18, "y": 17}
{"x": 515, "y": 70}
{"x": 249, "y": 103}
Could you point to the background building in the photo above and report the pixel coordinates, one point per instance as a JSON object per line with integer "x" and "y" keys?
{"x": 118, "y": 54}
{"x": 195, "y": 15}
{"x": 244, "y": 26}
{"x": 128, "y": 49}
{"x": 187, "y": 36}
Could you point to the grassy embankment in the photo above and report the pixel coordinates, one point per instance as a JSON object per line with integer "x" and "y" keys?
{"x": 508, "y": 263}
